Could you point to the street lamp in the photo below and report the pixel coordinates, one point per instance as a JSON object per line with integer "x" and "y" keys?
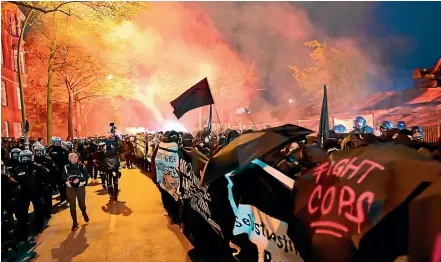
{"x": 109, "y": 77}
{"x": 290, "y": 101}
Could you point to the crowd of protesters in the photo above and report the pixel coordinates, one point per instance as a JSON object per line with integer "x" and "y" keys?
{"x": 291, "y": 159}
{"x": 64, "y": 168}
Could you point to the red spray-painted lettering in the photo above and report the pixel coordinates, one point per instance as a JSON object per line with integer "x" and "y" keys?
{"x": 348, "y": 204}
{"x": 344, "y": 166}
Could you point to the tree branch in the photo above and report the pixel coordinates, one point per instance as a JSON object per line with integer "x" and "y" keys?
{"x": 56, "y": 9}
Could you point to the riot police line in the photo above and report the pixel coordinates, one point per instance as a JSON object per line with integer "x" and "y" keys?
{"x": 38, "y": 175}
{"x": 245, "y": 215}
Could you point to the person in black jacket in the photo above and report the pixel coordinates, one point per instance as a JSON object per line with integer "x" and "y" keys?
{"x": 59, "y": 155}
{"x": 41, "y": 158}
{"x": 76, "y": 176}
{"x": 31, "y": 177}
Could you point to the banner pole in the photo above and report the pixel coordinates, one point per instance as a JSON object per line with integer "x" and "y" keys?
{"x": 200, "y": 118}
{"x": 217, "y": 115}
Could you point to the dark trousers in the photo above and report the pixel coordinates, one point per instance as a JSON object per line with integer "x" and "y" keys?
{"x": 47, "y": 199}
{"x": 129, "y": 160}
{"x": 61, "y": 186}
{"x": 74, "y": 193}
{"x": 91, "y": 170}
{"x": 112, "y": 183}
{"x": 22, "y": 212}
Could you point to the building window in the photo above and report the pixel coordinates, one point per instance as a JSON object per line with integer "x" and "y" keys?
{"x": 14, "y": 25}
{"x": 1, "y": 49}
{"x": 17, "y": 130}
{"x": 15, "y": 60}
{"x": 18, "y": 99}
{"x": 22, "y": 62}
{"x": 5, "y": 129}
{"x": 4, "y": 94}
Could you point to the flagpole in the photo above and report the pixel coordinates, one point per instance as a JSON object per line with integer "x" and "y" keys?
{"x": 249, "y": 115}
{"x": 217, "y": 115}
{"x": 200, "y": 118}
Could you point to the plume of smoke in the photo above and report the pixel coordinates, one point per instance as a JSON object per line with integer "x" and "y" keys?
{"x": 273, "y": 35}
{"x": 244, "y": 48}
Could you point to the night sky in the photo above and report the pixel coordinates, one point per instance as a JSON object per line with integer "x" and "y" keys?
{"x": 406, "y": 34}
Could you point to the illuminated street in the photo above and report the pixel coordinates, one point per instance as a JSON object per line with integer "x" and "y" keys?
{"x": 134, "y": 229}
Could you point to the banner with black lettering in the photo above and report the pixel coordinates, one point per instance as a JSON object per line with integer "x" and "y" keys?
{"x": 261, "y": 214}
{"x": 199, "y": 197}
{"x": 207, "y": 215}
{"x": 166, "y": 164}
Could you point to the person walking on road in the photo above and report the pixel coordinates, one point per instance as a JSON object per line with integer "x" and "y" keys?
{"x": 76, "y": 176}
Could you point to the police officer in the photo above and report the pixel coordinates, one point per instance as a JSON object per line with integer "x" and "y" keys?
{"x": 14, "y": 158}
{"x": 385, "y": 127}
{"x": 339, "y": 129}
{"x": 98, "y": 161}
{"x": 401, "y": 125}
{"x": 111, "y": 164}
{"x": 60, "y": 156}
{"x": 30, "y": 176}
{"x": 417, "y": 133}
{"x": 70, "y": 147}
{"x": 360, "y": 126}
{"x": 9, "y": 192}
{"x": 90, "y": 148}
{"x": 42, "y": 159}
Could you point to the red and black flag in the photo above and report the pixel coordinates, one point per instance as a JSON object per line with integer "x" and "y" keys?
{"x": 197, "y": 96}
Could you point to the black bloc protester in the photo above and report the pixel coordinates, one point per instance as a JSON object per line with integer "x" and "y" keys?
{"x": 356, "y": 206}
{"x": 208, "y": 217}
{"x": 259, "y": 196}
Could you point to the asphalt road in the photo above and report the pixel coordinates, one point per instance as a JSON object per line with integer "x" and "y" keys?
{"x": 133, "y": 229}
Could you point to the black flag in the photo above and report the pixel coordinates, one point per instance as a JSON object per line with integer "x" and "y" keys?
{"x": 197, "y": 96}
{"x": 324, "y": 120}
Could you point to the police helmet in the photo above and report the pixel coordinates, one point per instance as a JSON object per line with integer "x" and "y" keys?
{"x": 386, "y": 125}
{"x": 68, "y": 144}
{"x": 417, "y": 133}
{"x": 232, "y": 134}
{"x": 15, "y": 153}
{"x": 39, "y": 150}
{"x": 401, "y": 125}
{"x": 56, "y": 141}
{"x": 359, "y": 122}
{"x": 25, "y": 156}
{"x": 339, "y": 129}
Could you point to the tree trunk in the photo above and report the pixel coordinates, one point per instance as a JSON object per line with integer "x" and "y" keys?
{"x": 83, "y": 119}
{"x": 78, "y": 117}
{"x": 70, "y": 118}
{"x": 49, "y": 92}
{"x": 20, "y": 84}
{"x": 70, "y": 109}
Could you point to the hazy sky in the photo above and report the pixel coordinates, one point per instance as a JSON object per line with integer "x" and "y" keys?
{"x": 407, "y": 34}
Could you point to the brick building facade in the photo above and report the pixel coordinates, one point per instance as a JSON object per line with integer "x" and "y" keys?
{"x": 11, "y": 22}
